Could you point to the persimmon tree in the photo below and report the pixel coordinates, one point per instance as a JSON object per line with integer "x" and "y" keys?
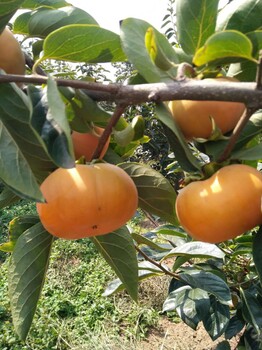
{"x": 217, "y": 284}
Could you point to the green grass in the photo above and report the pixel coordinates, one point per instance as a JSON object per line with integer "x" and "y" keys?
{"x": 72, "y": 312}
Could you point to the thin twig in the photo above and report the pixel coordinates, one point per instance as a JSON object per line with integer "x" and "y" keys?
{"x": 167, "y": 272}
{"x": 235, "y": 134}
{"x": 259, "y": 73}
{"x": 119, "y": 110}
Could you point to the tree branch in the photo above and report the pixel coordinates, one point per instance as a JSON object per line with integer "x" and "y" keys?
{"x": 119, "y": 110}
{"x": 189, "y": 89}
{"x": 167, "y": 272}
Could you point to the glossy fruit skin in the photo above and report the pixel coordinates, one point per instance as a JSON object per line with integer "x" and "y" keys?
{"x": 87, "y": 201}
{"x": 85, "y": 143}
{"x": 222, "y": 207}
{"x": 193, "y": 117}
{"x": 12, "y": 59}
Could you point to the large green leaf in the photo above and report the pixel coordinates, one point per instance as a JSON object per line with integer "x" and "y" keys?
{"x": 138, "y": 48}
{"x": 156, "y": 195}
{"x": 118, "y": 250}
{"x": 196, "y": 21}
{"x": 44, "y": 21}
{"x": 242, "y": 15}
{"x": 224, "y": 47}
{"x": 178, "y": 145}
{"x": 7, "y": 10}
{"x": 21, "y": 152}
{"x": 83, "y": 43}
{"x": 210, "y": 283}
{"x": 27, "y": 270}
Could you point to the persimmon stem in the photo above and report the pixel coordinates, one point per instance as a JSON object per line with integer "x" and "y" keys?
{"x": 167, "y": 272}
{"x": 119, "y": 110}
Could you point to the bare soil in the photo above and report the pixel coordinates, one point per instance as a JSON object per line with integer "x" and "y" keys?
{"x": 178, "y": 336}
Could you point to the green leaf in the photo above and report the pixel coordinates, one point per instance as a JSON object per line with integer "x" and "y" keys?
{"x": 252, "y": 153}
{"x": 44, "y": 21}
{"x": 27, "y": 270}
{"x": 7, "y": 10}
{"x": 210, "y": 283}
{"x": 85, "y": 110}
{"x": 234, "y": 327}
{"x": 251, "y": 129}
{"x": 141, "y": 239}
{"x": 20, "y": 149}
{"x": 17, "y": 226}
{"x": 217, "y": 319}
{"x": 246, "y": 70}
{"x": 251, "y": 308}
{"x": 33, "y": 4}
{"x": 118, "y": 250}
{"x": 224, "y": 47}
{"x": 83, "y": 43}
{"x": 138, "y": 48}
{"x": 191, "y": 304}
{"x": 7, "y": 197}
{"x": 224, "y": 345}
{"x": 241, "y": 15}
{"x": 257, "y": 256}
{"x": 197, "y": 250}
{"x": 50, "y": 123}
{"x": 20, "y": 25}
{"x": 178, "y": 145}
{"x": 196, "y": 21}
{"x": 156, "y": 195}
{"x": 146, "y": 270}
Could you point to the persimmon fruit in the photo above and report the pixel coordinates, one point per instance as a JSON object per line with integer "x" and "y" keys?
{"x": 86, "y": 143}
{"x": 194, "y": 117}
{"x": 223, "y": 206}
{"x": 86, "y": 201}
{"x": 12, "y": 59}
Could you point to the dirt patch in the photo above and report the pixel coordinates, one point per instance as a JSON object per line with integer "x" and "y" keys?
{"x": 178, "y": 336}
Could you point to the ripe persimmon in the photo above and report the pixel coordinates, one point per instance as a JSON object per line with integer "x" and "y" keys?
{"x": 223, "y": 206}
{"x": 86, "y": 143}
{"x": 86, "y": 201}
{"x": 12, "y": 59}
{"x": 194, "y": 117}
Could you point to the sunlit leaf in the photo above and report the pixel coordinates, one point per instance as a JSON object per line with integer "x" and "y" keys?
{"x": 83, "y": 43}
{"x": 118, "y": 250}
{"x": 196, "y": 21}
{"x": 197, "y": 249}
{"x": 224, "y": 47}
{"x": 27, "y": 271}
